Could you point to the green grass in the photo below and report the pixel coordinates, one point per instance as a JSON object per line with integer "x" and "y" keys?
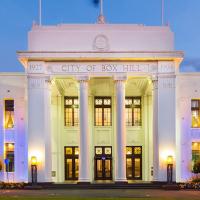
{"x": 91, "y": 198}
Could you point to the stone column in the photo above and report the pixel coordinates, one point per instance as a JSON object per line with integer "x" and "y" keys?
{"x": 120, "y": 164}
{"x": 155, "y": 129}
{"x": 39, "y": 131}
{"x": 84, "y": 139}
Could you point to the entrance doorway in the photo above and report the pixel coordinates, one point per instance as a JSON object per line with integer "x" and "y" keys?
{"x": 103, "y": 163}
{"x": 71, "y": 163}
{"x": 134, "y": 162}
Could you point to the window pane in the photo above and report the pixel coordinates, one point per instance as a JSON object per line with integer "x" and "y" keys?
{"x": 98, "y": 102}
{"x": 129, "y": 150}
{"x": 69, "y": 168}
{"x": 136, "y": 102}
{"x": 76, "y": 102}
{"x": 98, "y": 117}
{"x": 76, "y": 118}
{"x": 129, "y": 167}
{"x": 195, "y": 152}
{"x": 68, "y": 101}
{"x": 76, "y": 151}
{"x": 195, "y": 119}
{"x": 68, "y": 151}
{"x": 137, "y": 116}
{"x": 137, "y": 167}
{"x": 107, "y": 168}
{"x": 98, "y": 150}
{"x": 137, "y": 150}
{"x": 128, "y": 101}
{"x": 129, "y": 117}
{"x": 107, "y": 116}
{"x": 108, "y": 151}
{"x": 99, "y": 169}
{"x": 107, "y": 101}
{"x": 76, "y": 167}
{"x": 68, "y": 112}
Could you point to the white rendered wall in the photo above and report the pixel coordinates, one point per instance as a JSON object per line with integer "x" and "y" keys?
{"x": 100, "y": 37}
{"x": 166, "y": 123}
{"x": 12, "y": 86}
{"x": 187, "y": 89}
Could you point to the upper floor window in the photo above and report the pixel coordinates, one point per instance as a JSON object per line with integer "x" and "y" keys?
{"x": 102, "y": 111}
{"x": 133, "y": 111}
{"x": 195, "y": 109}
{"x": 9, "y": 156}
{"x": 71, "y": 111}
{"x": 9, "y": 114}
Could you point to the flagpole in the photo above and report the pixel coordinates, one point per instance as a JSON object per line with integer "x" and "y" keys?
{"x": 163, "y": 12}
{"x": 101, "y": 7}
{"x": 40, "y": 12}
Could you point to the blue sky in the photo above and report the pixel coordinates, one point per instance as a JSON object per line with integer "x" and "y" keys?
{"x": 17, "y": 16}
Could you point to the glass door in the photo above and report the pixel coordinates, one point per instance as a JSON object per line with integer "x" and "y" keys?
{"x": 103, "y": 163}
{"x": 134, "y": 162}
{"x": 71, "y": 163}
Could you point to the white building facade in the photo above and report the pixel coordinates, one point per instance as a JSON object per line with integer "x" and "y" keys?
{"x": 97, "y": 103}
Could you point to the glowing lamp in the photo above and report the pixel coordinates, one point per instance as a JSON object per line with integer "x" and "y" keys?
{"x": 170, "y": 160}
{"x": 34, "y": 160}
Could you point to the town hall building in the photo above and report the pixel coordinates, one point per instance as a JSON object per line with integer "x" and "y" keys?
{"x": 99, "y": 103}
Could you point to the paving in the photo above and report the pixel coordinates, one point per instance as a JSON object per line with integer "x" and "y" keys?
{"x": 104, "y": 193}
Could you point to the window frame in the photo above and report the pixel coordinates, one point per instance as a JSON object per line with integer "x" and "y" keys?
{"x": 195, "y": 109}
{"x": 71, "y": 106}
{"x": 7, "y": 169}
{"x": 103, "y": 106}
{"x": 12, "y": 113}
{"x": 132, "y": 108}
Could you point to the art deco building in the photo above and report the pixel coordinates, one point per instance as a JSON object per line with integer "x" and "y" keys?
{"x": 99, "y": 102}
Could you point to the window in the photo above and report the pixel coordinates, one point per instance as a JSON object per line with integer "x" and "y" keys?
{"x": 134, "y": 162}
{"x": 9, "y": 114}
{"x": 9, "y": 157}
{"x": 103, "y": 163}
{"x": 133, "y": 111}
{"x": 102, "y": 111}
{"x": 71, "y": 163}
{"x": 195, "y": 153}
{"x": 71, "y": 111}
{"x": 195, "y": 109}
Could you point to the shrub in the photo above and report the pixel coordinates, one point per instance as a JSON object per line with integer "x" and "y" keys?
{"x": 196, "y": 168}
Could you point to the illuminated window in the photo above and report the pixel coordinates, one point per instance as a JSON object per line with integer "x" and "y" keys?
{"x": 103, "y": 111}
{"x": 133, "y": 111}
{"x": 134, "y": 162}
{"x": 195, "y": 109}
{"x": 195, "y": 153}
{"x": 71, "y": 111}
{"x": 9, "y": 114}
{"x": 71, "y": 163}
{"x": 9, "y": 157}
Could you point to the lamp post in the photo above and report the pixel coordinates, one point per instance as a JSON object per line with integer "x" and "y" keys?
{"x": 34, "y": 169}
{"x": 169, "y": 169}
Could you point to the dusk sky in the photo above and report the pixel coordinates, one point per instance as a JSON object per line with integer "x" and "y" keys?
{"x": 17, "y": 16}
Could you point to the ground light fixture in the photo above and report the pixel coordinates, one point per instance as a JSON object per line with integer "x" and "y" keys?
{"x": 34, "y": 169}
{"x": 169, "y": 169}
